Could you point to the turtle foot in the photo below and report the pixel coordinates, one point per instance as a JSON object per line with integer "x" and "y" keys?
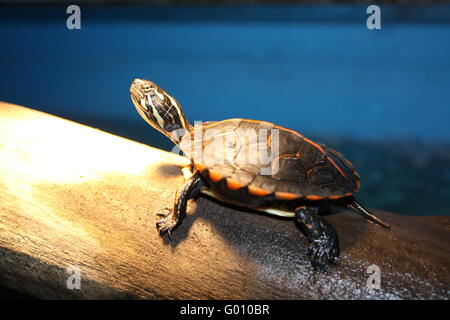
{"x": 323, "y": 252}
{"x": 167, "y": 222}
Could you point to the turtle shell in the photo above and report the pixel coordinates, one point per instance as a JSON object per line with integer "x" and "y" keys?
{"x": 267, "y": 160}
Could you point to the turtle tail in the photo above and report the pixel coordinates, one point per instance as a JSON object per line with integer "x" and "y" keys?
{"x": 355, "y": 205}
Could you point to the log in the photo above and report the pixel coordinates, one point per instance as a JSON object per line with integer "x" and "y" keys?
{"x": 76, "y": 197}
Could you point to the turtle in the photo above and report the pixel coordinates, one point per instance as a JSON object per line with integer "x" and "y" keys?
{"x": 300, "y": 179}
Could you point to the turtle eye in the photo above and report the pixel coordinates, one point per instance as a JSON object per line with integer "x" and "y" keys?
{"x": 147, "y": 87}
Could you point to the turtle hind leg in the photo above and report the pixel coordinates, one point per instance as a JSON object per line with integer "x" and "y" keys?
{"x": 172, "y": 217}
{"x": 324, "y": 249}
{"x": 356, "y": 206}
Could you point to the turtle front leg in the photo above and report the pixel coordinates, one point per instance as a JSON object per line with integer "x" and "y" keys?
{"x": 171, "y": 217}
{"x": 323, "y": 237}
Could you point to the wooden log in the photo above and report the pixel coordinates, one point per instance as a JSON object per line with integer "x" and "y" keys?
{"x": 71, "y": 195}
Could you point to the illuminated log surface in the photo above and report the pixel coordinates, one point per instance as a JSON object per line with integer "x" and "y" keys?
{"x": 71, "y": 195}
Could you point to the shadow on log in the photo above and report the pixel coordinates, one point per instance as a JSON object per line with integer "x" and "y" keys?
{"x": 71, "y": 195}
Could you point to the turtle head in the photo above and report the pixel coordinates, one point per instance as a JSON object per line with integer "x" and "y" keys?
{"x": 159, "y": 109}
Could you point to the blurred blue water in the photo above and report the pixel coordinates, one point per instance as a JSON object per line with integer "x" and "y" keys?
{"x": 324, "y": 75}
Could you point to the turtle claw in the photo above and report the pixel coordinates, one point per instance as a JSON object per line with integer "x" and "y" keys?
{"x": 323, "y": 252}
{"x": 166, "y": 222}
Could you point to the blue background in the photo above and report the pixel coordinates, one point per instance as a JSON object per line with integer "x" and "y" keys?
{"x": 381, "y": 97}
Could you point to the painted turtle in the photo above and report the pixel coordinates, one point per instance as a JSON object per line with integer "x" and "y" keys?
{"x": 300, "y": 178}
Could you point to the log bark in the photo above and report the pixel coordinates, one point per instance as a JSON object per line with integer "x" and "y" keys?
{"x": 71, "y": 195}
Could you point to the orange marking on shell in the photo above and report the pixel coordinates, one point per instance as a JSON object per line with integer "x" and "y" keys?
{"x": 313, "y": 197}
{"x": 308, "y": 172}
{"x": 200, "y": 167}
{"x": 323, "y": 152}
{"x": 286, "y": 195}
{"x": 286, "y": 155}
{"x": 336, "y": 166}
{"x": 315, "y": 145}
{"x": 257, "y": 191}
{"x": 335, "y": 197}
{"x": 215, "y": 176}
{"x": 234, "y": 184}
{"x": 289, "y": 130}
{"x": 348, "y": 194}
{"x": 348, "y": 163}
{"x": 358, "y": 183}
